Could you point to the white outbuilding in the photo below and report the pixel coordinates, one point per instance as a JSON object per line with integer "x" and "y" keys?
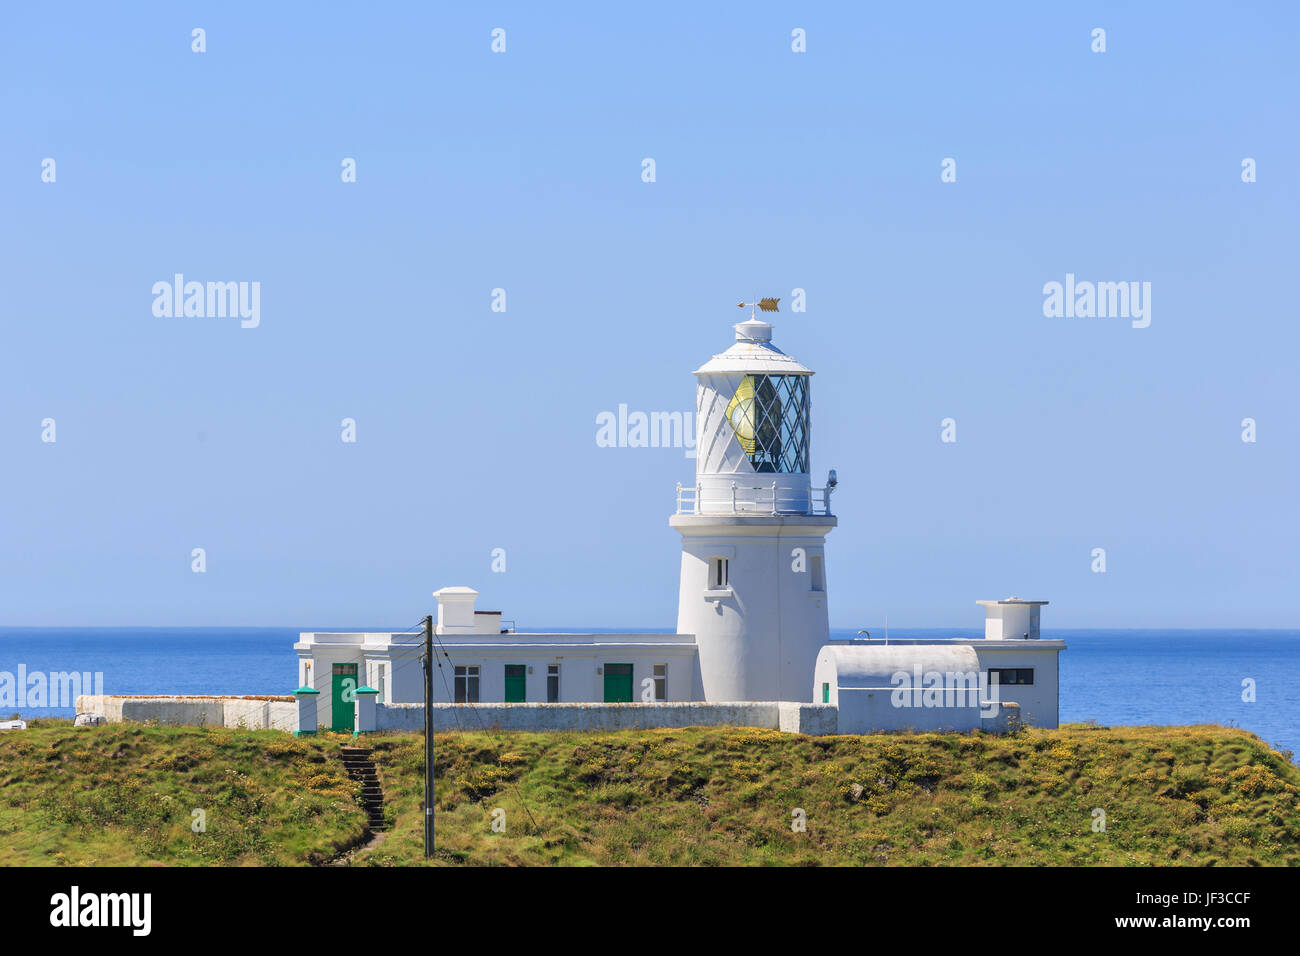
{"x": 954, "y": 684}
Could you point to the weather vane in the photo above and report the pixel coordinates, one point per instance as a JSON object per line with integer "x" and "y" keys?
{"x": 767, "y": 305}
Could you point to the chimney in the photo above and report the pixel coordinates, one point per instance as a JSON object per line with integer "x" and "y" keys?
{"x": 456, "y": 610}
{"x": 1011, "y": 619}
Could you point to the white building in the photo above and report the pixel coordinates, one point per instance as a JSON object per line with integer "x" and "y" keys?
{"x": 752, "y": 606}
{"x": 945, "y": 685}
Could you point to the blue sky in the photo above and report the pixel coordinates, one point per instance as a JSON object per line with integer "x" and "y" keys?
{"x": 522, "y": 171}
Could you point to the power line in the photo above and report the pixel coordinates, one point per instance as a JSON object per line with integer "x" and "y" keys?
{"x": 470, "y": 704}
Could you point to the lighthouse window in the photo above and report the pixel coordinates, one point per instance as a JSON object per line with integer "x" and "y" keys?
{"x": 719, "y": 574}
{"x": 816, "y": 573}
{"x": 769, "y": 415}
{"x": 467, "y": 684}
{"x": 661, "y": 681}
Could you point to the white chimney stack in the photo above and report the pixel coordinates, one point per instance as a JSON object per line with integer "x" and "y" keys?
{"x": 456, "y": 610}
{"x": 1011, "y": 619}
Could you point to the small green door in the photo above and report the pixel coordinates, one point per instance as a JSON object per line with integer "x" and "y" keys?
{"x": 618, "y": 683}
{"x": 516, "y": 681}
{"x": 343, "y": 699}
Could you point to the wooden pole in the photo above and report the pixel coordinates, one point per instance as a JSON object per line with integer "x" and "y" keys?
{"x": 428, "y": 736}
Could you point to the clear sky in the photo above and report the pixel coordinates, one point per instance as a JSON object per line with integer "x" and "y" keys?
{"x": 522, "y": 170}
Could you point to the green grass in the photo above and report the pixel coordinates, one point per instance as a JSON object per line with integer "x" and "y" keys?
{"x": 124, "y": 794}
{"x": 1180, "y": 795}
{"x": 716, "y": 796}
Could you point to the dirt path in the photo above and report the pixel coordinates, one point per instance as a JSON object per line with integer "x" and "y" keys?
{"x": 346, "y": 857}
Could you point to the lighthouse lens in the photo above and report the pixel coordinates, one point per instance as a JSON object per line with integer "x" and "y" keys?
{"x": 740, "y": 413}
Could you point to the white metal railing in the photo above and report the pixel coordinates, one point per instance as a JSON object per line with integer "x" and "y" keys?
{"x": 743, "y": 498}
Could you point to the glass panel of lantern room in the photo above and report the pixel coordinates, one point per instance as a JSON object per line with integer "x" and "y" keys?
{"x": 767, "y": 426}
{"x": 769, "y": 415}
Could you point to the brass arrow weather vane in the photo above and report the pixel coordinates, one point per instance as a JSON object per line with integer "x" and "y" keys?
{"x": 766, "y": 305}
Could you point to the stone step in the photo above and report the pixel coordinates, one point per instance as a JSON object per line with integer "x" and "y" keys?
{"x": 359, "y": 766}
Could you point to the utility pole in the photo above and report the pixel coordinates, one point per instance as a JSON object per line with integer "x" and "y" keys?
{"x": 428, "y": 736}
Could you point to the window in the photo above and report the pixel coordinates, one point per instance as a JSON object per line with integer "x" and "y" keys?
{"x": 381, "y": 688}
{"x": 467, "y": 684}
{"x": 1012, "y": 675}
{"x": 826, "y": 693}
{"x": 516, "y": 683}
{"x": 552, "y": 683}
{"x": 661, "y": 682}
{"x": 719, "y": 574}
{"x": 769, "y": 414}
{"x": 816, "y": 573}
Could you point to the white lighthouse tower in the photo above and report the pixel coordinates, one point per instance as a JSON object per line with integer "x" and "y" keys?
{"x": 753, "y": 582}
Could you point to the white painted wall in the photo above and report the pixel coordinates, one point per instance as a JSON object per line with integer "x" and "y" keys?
{"x": 248, "y": 713}
{"x": 282, "y": 715}
{"x": 860, "y": 678}
{"x": 1012, "y": 619}
{"x": 758, "y": 639}
{"x": 1039, "y": 702}
{"x": 581, "y": 658}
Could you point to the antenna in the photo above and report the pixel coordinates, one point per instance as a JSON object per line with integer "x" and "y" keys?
{"x": 766, "y": 305}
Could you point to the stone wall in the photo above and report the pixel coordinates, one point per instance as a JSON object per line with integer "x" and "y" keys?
{"x": 252, "y": 713}
{"x": 791, "y": 717}
{"x": 281, "y": 713}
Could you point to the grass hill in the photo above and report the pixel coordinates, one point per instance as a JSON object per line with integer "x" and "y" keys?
{"x": 126, "y": 794}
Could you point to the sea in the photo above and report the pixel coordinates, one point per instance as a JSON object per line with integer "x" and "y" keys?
{"x": 1235, "y": 678}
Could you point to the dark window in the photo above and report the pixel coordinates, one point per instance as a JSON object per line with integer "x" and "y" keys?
{"x": 1012, "y": 675}
{"x": 467, "y": 684}
{"x": 719, "y": 573}
{"x": 661, "y": 681}
{"x": 552, "y": 683}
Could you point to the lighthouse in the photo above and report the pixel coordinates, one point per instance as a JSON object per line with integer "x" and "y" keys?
{"x": 753, "y": 585}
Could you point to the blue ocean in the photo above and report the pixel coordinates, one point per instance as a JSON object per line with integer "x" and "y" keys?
{"x": 1115, "y": 677}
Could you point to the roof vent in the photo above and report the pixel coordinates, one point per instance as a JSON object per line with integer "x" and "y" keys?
{"x": 753, "y": 330}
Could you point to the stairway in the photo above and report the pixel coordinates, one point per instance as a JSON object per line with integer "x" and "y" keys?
{"x": 359, "y": 765}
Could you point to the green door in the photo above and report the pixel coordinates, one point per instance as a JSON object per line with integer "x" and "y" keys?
{"x": 343, "y": 699}
{"x": 618, "y": 683}
{"x": 515, "y": 683}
